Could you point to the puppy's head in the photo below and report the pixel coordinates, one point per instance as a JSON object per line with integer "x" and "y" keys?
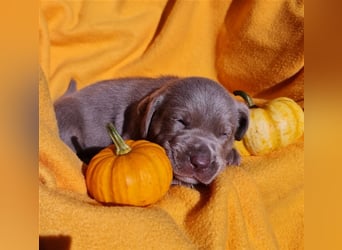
{"x": 196, "y": 121}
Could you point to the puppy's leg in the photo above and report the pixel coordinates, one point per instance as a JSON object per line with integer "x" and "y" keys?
{"x": 233, "y": 158}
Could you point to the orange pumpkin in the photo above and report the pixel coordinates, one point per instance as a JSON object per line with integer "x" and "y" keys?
{"x": 135, "y": 173}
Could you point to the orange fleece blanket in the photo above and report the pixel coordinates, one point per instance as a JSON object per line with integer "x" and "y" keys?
{"x": 256, "y": 46}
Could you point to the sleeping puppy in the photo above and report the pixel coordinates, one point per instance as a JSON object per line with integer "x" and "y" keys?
{"x": 195, "y": 119}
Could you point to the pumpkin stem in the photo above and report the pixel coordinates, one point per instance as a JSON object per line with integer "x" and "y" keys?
{"x": 121, "y": 147}
{"x": 246, "y": 98}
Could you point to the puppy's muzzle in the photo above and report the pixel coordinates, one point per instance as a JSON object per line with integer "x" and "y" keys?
{"x": 201, "y": 157}
{"x": 197, "y": 164}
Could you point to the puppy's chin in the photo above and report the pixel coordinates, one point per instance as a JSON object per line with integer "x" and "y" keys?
{"x": 182, "y": 180}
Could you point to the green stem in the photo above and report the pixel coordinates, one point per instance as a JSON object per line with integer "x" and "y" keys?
{"x": 246, "y": 98}
{"x": 121, "y": 147}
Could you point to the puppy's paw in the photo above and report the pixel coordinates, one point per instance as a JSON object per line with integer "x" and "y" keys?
{"x": 233, "y": 158}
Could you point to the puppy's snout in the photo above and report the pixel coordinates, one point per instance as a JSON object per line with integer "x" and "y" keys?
{"x": 201, "y": 158}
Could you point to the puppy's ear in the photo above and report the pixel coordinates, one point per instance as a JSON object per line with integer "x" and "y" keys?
{"x": 147, "y": 107}
{"x": 243, "y": 122}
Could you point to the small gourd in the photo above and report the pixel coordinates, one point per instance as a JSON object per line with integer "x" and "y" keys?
{"x": 275, "y": 124}
{"x": 136, "y": 173}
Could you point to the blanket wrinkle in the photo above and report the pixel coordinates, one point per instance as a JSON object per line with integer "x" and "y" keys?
{"x": 163, "y": 19}
{"x": 256, "y": 46}
{"x": 288, "y": 88}
{"x": 260, "y": 234}
{"x": 261, "y": 44}
{"x": 62, "y": 157}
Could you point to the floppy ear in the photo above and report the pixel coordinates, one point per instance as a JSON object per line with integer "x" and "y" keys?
{"x": 147, "y": 107}
{"x": 243, "y": 122}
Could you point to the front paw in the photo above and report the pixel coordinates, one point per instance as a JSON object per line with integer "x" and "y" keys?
{"x": 233, "y": 158}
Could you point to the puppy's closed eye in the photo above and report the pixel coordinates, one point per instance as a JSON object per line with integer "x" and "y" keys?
{"x": 224, "y": 133}
{"x": 182, "y": 123}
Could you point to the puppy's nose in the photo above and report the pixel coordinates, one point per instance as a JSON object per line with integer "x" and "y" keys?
{"x": 200, "y": 160}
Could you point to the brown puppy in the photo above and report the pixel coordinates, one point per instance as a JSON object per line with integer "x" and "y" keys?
{"x": 195, "y": 119}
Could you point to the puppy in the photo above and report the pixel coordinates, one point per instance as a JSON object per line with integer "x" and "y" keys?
{"x": 195, "y": 119}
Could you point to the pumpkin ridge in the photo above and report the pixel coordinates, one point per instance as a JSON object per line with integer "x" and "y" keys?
{"x": 122, "y": 179}
{"x": 259, "y": 131}
{"x": 298, "y": 117}
{"x": 167, "y": 172}
{"x": 292, "y": 112}
{"x": 155, "y": 185}
{"x": 112, "y": 182}
{"x": 91, "y": 176}
{"x": 272, "y": 112}
{"x": 108, "y": 192}
{"x": 102, "y": 182}
{"x": 292, "y": 126}
{"x": 158, "y": 171}
{"x": 148, "y": 175}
